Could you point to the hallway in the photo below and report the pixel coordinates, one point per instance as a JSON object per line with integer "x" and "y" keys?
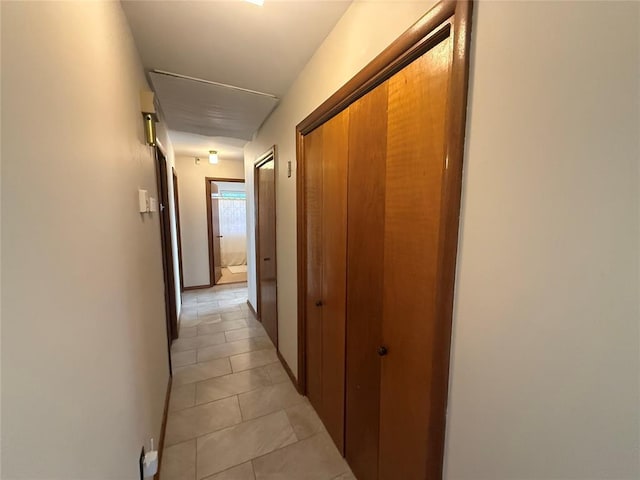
{"x": 234, "y": 413}
{"x": 511, "y": 247}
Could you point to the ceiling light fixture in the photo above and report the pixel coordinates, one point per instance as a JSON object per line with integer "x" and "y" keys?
{"x": 256, "y": 2}
{"x": 213, "y": 157}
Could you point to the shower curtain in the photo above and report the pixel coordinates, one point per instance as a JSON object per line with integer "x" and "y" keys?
{"x": 233, "y": 228}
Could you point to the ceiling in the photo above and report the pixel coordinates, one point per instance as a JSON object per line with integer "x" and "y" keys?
{"x": 192, "y": 145}
{"x": 232, "y": 42}
{"x": 206, "y": 109}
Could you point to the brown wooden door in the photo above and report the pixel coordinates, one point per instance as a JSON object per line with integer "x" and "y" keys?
{"x": 314, "y": 253}
{"x": 167, "y": 252}
{"x": 367, "y": 162}
{"x": 215, "y": 225}
{"x": 266, "y": 247}
{"x": 334, "y": 270}
{"x": 327, "y": 228}
{"x": 396, "y": 164}
{"x": 394, "y": 140}
{"x": 416, "y": 156}
{"x": 402, "y": 161}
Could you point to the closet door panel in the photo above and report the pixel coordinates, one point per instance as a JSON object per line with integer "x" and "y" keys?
{"x": 365, "y": 252}
{"x": 313, "y": 208}
{"x": 414, "y": 173}
{"x": 334, "y": 234}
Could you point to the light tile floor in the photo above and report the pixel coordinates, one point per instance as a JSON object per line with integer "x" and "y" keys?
{"x": 234, "y": 413}
{"x": 228, "y": 277}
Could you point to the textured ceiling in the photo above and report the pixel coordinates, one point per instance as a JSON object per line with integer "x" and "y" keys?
{"x": 211, "y": 110}
{"x": 232, "y": 42}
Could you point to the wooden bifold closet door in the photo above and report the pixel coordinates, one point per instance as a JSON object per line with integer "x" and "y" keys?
{"x": 327, "y": 157}
{"x": 380, "y": 189}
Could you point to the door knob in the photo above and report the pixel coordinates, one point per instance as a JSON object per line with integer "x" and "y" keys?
{"x": 319, "y": 303}
{"x": 382, "y": 350}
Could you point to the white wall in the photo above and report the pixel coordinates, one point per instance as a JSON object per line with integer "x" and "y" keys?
{"x": 545, "y": 368}
{"x": 545, "y": 360}
{"x": 84, "y": 347}
{"x": 193, "y": 212}
{"x": 365, "y": 30}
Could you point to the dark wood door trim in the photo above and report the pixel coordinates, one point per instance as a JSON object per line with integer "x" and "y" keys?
{"x": 419, "y": 38}
{"x": 447, "y": 18}
{"x": 212, "y": 274}
{"x": 449, "y": 226}
{"x": 176, "y": 204}
{"x": 162, "y": 180}
{"x": 163, "y": 426}
{"x": 262, "y": 159}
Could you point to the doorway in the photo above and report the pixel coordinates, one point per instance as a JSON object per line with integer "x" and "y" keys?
{"x": 227, "y": 229}
{"x": 167, "y": 252}
{"x": 266, "y": 269}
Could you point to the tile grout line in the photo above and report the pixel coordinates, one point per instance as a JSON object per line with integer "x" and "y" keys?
{"x": 297, "y": 440}
{"x": 250, "y": 420}
{"x": 195, "y": 467}
{"x": 232, "y": 308}
{"x": 289, "y": 445}
{"x": 202, "y": 324}
{"x": 207, "y": 433}
{"x": 225, "y": 470}
{"x": 227, "y": 396}
{"x": 197, "y": 437}
{"x": 222, "y": 343}
{"x": 244, "y": 421}
{"x": 229, "y": 356}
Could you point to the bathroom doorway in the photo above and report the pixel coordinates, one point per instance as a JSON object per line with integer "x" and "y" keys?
{"x": 227, "y": 218}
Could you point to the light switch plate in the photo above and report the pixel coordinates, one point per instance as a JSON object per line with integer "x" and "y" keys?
{"x": 143, "y": 201}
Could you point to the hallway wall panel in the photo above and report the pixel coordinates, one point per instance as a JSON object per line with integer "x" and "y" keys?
{"x": 546, "y": 334}
{"x": 84, "y": 347}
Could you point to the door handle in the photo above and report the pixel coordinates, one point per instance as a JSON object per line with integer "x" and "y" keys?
{"x": 382, "y": 350}
{"x": 219, "y": 236}
{"x": 319, "y": 303}
{"x": 266, "y": 259}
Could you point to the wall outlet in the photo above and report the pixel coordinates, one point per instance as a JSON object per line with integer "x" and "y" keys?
{"x": 150, "y": 467}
